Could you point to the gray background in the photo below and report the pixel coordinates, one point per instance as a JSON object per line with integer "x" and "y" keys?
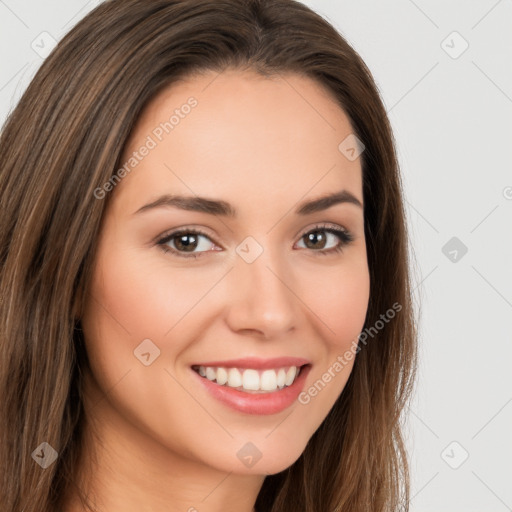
{"x": 451, "y": 115}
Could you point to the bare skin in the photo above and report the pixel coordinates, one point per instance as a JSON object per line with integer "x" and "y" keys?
{"x": 162, "y": 443}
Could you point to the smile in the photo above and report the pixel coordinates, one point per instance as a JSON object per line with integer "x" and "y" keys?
{"x": 253, "y": 385}
{"x": 249, "y": 379}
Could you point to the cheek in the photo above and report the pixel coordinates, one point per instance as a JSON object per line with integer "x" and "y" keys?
{"x": 124, "y": 308}
{"x": 133, "y": 299}
{"x": 339, "y": 297}
{"x": 136, "y": 297}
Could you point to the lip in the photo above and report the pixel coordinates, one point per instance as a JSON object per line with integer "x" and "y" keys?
{"x": 258, "y": 403}
{"x": 256, "y": 363}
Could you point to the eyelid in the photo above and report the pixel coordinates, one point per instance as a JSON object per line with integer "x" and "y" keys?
{"x": 186, "y": 229}
{"x": 322, "y": 225}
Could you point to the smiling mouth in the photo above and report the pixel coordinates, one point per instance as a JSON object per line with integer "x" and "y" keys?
{"x": 251, "y": 380}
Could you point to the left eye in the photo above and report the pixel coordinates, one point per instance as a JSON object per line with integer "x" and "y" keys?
{"x": 322, "y": 235}
{"x": 188, "y": 240}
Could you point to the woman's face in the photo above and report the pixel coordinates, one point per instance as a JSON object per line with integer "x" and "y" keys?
{"x": 262, "y": 280}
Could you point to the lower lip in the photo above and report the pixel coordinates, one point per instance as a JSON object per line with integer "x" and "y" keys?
{"x": 272, "y": 402}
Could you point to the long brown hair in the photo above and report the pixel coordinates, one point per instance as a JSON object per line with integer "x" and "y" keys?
{"x": 65, "y": 139}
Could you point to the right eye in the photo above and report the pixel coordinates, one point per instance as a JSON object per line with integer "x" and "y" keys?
{"x": 184, "y": 241}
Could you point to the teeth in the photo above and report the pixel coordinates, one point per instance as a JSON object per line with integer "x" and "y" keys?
{"x": 222, "y": 376}
{"x": 290, "y": 376}
{"x": 234, "y": 378}
{"x": 281, "y": 377}
{"x": 250, "y": 379}
{"x": 268, "y": 380}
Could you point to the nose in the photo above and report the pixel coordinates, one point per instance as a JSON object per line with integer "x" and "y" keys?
{"x": 261, "y": 297}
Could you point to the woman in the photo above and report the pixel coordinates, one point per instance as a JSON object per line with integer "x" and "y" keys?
{"x": 204, "y": 273}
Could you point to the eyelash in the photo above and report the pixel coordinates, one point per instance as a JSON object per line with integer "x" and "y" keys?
{"x": 345, "y": 239}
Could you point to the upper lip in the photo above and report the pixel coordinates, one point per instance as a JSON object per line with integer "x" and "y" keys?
{"x": 257, "y": 363}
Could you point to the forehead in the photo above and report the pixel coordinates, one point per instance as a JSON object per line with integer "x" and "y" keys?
{"x": 246, "y": 137}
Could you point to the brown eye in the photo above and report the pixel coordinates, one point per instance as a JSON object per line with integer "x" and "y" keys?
{"x": 315, "y": 240}
{"x": 185, "y": 242}
{"x": 318, "y": 238}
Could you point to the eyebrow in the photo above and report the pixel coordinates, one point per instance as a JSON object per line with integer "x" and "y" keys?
{"x": 225, "y": 209}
